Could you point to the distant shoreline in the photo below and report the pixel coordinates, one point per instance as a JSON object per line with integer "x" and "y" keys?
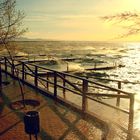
{"x": 61, "y": 40}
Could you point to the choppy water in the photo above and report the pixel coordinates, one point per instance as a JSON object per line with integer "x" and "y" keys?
{"x": 89, "y": 54}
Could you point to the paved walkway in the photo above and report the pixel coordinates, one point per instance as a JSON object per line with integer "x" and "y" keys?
{"x": 56, "y": 121}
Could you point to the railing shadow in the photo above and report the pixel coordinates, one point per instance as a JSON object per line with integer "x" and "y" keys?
{"x": 32, "y": 70}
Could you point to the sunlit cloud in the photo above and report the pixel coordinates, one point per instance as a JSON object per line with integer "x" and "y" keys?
{"x": 70, "y": 19}
{"x": 33, "y": 34}
{"x": 77, "y": 17}
{"x": 36, "y": 18}
{"x": 58, "y": 17}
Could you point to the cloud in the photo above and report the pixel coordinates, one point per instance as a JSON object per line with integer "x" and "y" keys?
{"x": 78, "y": 16}
{"x": 36, "y": 18}
{"x": 116, "y": 6}
{"x": 75, "y": 19}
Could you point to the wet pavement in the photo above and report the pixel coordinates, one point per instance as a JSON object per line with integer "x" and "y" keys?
{"x": 57, "y": 122}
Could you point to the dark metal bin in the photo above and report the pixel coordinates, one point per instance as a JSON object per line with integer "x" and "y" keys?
{"x": 31, "y": 121}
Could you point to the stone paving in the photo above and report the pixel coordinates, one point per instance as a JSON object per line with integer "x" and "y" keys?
{"x": 57, "y": 122}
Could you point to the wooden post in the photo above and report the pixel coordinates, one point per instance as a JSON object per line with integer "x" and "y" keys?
{"x": 55, "y": 84}
{"x": 0, "y": 78}
{"x": 23, "y": 74}
{"x": 5, "y": 65}
{"x": 17, "y": 72}
{"x": 131, "y": 118}
{"x": 84, "y": 99}
{"x": 64, "y": 84}
{"x": 35, "y": 80}
{"x": 118, "y": 98}
{"x": 47, "y": 83}
{"x": 28, "y": 57}
{"x": 67, "y": 67}
{"x": 13, "y": 69}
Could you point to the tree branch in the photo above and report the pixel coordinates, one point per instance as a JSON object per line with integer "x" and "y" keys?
{"x": 130, "y": 17}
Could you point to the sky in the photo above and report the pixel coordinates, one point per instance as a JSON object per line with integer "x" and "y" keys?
{"x": 75, "y": 19}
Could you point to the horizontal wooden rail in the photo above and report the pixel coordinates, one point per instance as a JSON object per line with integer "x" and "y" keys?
{"x": 107, "y": 95}
{"x": 80, "y": 78}
{"x": 106, "y": 104}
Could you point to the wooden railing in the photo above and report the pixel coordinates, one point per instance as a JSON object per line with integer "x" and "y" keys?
{"x": 55, "y": 82}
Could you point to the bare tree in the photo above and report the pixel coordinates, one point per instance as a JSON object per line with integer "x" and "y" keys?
{"x": 10, "y": 29}
{"x": 131, "y": 22}
{"x": 10, "y": 23}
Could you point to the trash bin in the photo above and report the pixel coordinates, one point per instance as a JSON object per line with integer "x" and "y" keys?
{"x": 31, "y": 122}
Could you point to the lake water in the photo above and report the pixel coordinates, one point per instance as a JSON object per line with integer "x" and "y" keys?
{"x": 87, "y": 55}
